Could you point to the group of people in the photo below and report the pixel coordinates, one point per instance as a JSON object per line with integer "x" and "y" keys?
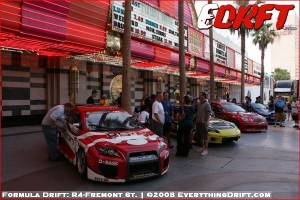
{"x": 103, "y": 101}
{"x": 280, "y": 106}
{"x": 188, "y": 116}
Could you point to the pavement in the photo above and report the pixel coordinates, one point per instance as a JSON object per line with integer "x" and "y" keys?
{"x": 266, "y": 161}
{"x": 20, "y": 130}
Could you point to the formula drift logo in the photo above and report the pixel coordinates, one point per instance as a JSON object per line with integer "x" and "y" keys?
{"x": 252, "y": 16}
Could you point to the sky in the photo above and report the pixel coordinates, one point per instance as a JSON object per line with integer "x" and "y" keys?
{"x": 253, "y": 51}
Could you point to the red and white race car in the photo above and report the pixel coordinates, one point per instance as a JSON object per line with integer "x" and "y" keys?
{"x": 108, "y": 144}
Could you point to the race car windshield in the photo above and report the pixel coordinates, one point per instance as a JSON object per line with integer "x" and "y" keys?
{"x": 233, "y": 108}
{"x": 119, "y": 120}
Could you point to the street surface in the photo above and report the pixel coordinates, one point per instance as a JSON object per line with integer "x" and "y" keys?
{"x": 259, "y": 162}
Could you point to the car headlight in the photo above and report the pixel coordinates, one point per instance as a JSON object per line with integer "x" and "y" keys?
{"x": 107, "y": 151}
{"x": 162, "y": 145}
{"x": 245, "y": 119}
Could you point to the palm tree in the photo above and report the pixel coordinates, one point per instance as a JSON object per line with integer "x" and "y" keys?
{"x": 182, "y": 74}
{"x": 242, "y": 32}
{"x": 126, "y": 93}
{"x": 263, "y": 37}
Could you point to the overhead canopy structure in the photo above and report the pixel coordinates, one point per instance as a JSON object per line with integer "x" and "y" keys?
{"x": 84, "y": 30}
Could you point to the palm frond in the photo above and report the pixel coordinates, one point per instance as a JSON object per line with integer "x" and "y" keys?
{"x": 263, "y": 36}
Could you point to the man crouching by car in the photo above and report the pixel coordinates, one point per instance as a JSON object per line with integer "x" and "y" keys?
{"x": 54, "y": 119}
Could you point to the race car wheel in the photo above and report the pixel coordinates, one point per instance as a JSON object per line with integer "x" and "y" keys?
{"x": 236, "y": 123}
{"x": 81, "y": 162}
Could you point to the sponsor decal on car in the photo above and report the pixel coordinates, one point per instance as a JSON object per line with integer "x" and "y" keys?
{"x": 101, "y": 179}
{"x": 108, "y": 162}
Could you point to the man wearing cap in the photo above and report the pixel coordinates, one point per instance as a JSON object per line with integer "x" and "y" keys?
{"x": 91, "y": 100}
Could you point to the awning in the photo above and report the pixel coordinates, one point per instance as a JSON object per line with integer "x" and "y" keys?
{"x": 57, "y": 28}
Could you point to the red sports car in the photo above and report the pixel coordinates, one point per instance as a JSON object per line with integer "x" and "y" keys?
{"x": 245, "y": 121}
{"x": 108, "y": 144}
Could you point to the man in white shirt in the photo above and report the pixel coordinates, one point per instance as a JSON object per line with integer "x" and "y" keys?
{"x": 55, "y": 118}
{"x": 295, "y": 106}
{"x": 158, "y": 115}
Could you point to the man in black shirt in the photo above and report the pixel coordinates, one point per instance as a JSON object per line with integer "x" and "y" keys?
{"x": 90, "y": 100}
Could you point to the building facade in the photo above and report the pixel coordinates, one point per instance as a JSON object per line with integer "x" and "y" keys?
{"x": 57, "y": 51}
{"x": 285, "y": 49}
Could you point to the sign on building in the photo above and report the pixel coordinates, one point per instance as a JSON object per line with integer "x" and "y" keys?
{"x": 148, "y": 23}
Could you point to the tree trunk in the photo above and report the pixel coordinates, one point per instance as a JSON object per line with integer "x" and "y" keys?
{"x": 211, "y": 63}
{"x": 262, "y": 75}
{"x": 126, "y": 93}
{"x": 243, "y": 46}
{"x": 181, "y": 50}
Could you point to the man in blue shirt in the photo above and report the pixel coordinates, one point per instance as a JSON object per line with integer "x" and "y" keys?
{"x": 168, "y": 109}
{"x": 279, "y": 108}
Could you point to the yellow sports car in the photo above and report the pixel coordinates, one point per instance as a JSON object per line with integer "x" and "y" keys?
{"x": 221, "y": 131}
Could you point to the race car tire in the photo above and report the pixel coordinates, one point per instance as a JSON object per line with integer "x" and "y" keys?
{"x": 81, "y": 162}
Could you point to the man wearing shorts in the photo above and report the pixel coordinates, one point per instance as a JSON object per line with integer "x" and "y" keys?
{"x": 203, "y": 111}
{"x": 279, "y": 108}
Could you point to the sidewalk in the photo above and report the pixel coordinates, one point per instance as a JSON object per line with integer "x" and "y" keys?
{"x": 11, "y": 131}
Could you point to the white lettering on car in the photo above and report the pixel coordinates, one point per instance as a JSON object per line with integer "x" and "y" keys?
{"x": 108, "y": 162}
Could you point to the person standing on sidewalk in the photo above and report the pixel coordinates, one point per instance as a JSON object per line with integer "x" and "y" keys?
{"x": 203, "y": 110}
{"x": 279, "y": 108}
{"x": 271, "y": 103}
{"x": 295, "y": 107}
{"x": 91, "y": 100}
{"x": 186, "y": 123}
{"x": 168, "y": 109}
{"x": 158, "y": 116}
{"x": 54, "y": 119}
{"x": 104, "y": 101}
{"x": 289, "y": 110}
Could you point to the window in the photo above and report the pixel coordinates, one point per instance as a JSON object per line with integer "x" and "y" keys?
{"x": 101, "y": 121}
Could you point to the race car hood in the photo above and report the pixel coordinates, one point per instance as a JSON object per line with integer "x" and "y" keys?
{"x": 126, "y": 140}
{"x": 251, "y": 116}
{"x": 248, "y": 114}
{"x": 215, "y": 123}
